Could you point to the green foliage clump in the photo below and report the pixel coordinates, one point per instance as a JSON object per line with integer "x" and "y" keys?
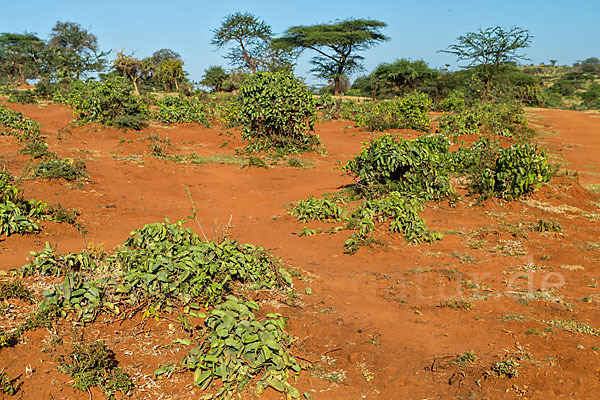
{"x": 502, "y": 119}
{"x": 466, "y": 122}
{"x": 8, "y": 386}
{"x": 37, "y": 148}
{"x": 173, "y": 109}
{"x": 517, "y": 170}
{"x": 454, "y": 102}
{"x": 15, "y": 290}
{"x": 506, "y": 369}
{"x": 548, "y": 225}
{"x": 164, "y": 261}
{"x": 67, "y": 169}
{"x": 317, "y": 209}
{"x": 277, "y": 111}
{"x": 236, "y": 348}
{"x": 20, "y": 127}
{"x": 158, "y": 265}
{"x": 416, "y": 168}
{"x": 22, "y": 97}
{"x": 110, "y": 102}
{"x": 403, "y": 213}
{"x": 17, "y": 215}
{"x": 408, "y": 112}
{"x": 257, "y": 162}
{"x": 93, "y": 364}
{"x": 48, "y": 262}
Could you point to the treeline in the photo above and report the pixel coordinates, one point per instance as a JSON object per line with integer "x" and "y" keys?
{"x": 72, "y": 53}
{"x": 576, "y": 86}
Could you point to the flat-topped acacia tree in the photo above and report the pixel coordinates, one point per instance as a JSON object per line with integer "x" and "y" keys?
{"x": 336, "y": 45}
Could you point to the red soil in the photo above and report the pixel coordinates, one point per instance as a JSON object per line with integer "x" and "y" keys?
{"x": 374, "y": 325}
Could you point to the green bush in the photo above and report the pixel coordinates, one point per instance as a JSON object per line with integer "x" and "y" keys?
{"x": 454, "y": 102}
{"x": 22, "y": 97}
{"x": 21, "y": 127}
{"x": 403, "y": 213}
{"x": 93, "y": 364}
{"x": 502, "y": 119}
{"x": 518, "y": 170}
{"x": 179, "y": 109}
{"x": 277, "y": 110}
{"x": 408, "y": 112}
{"x": 67, "y": 169}
{"x": 466, "y": 122}
{"x": 17, "y": 215}
{"x": 235, "y": 348}
{"x": 317, "y": 209}
{"x": 109, "y": 102}
{"x": 416, "y": 168}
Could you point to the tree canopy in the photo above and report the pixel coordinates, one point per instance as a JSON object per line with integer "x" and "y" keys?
{"x": 75, "y": 50}
{"x": 251, "y": 38}
{"x": 490, "y": 48}
{"x": 336, "y": 45}
{"x": 20, "y": 56}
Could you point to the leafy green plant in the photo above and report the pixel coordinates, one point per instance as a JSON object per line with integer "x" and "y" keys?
{"x": 17, "y": 215}
{"x": 67, "y": 169}
{"x": 518, "y": 170}
{"x": 317, "y": 209}
{"x": 21, "y": 127}
{"x": 506, "y": 369}
{"x": 277, "y": 111}
{"x": 48, "y": 262}
{"x": 8, "y": 386}
{"x": 93, "y": 364}
{"x": 22, "y": 97}
{"x": 416, "y": 168}
{"x": 408, "y": 112}
{"x": 236, "y": 348}
{"x": 109, "y": 102}
{"x": 37, "y": 148}
{"x": 15, "y": 290}
{"x": 179, "y": 109}
{"x": 160, "y": 265}
{"x": 256, "y": 162}
{"x": 548, "y": 225}
{"x": 60, "y": 214}
{"x": 464, "y": 123}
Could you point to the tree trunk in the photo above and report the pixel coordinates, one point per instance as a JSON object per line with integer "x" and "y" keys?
{"x": 135, "y": 87}
{"x": 336, "y": 86}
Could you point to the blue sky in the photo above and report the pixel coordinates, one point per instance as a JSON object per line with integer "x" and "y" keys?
{"x": 563, "y": 30}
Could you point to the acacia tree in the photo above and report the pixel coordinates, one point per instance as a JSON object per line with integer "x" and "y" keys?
{"x": 336, "y": 45}
{"x": 250, "y": 44}
{"x": 20, "y": 56}
{"x": 214, "y": 77}
{"x": 75, "y": 50}
{"x": 132, "y": 68}
{"x": 490, "y": 48}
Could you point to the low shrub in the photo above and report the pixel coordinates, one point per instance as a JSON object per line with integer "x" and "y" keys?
{"x": 518, "y": 170}
{"x": 67, "y": 169}
{"x": 408, "y": 112}
{"x": 110, "y": 102}
{"x": 17, "y": 215}
{"x": 21, "y": 127}
{"x": 22, "y": 97}
{"x": 235, "y": 347}
{"x": 277, "y": 111}
{"x": 416, "y": 168}
{"x": 179, "y": 109}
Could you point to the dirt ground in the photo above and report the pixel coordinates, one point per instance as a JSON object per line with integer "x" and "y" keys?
{"x": 388, "y": 322}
